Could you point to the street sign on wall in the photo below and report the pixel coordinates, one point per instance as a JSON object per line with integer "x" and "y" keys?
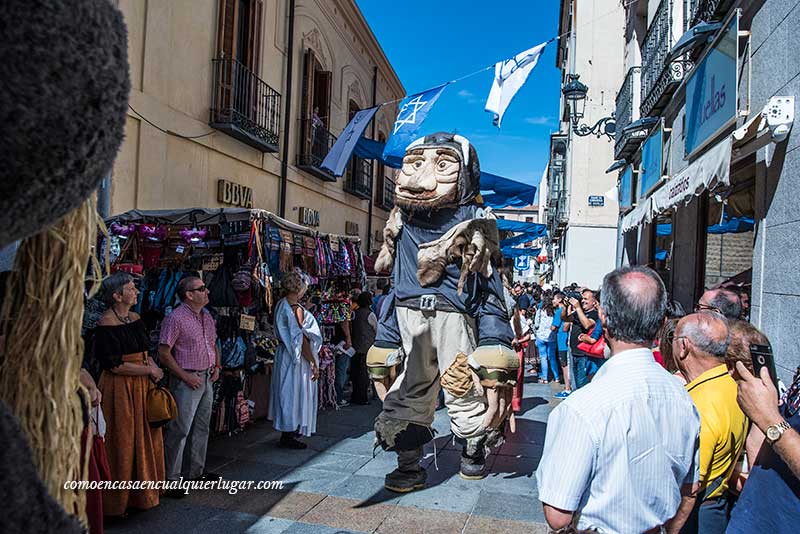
{"x": 650, "y": 169}
{"x": 596, "y": 200}
{"x": 711, "y": 90}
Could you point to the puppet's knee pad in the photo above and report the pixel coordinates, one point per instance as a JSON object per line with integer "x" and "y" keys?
{"x": 380, "y": 361}
{"x": 497, "y": 365}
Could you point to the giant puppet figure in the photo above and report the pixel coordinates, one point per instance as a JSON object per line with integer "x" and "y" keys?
{"x": 446, "y": 320}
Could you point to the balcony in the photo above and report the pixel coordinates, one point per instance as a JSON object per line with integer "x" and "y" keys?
{"x": 358, "y": 178}
{"x": 707, "y": 10}
{"x": 386, "y": 201}
{"x": 627, "y": 111}
{"x": 244, "y": 106}
{"x": 315, "y": 143}
{"x": 660, "y": 77}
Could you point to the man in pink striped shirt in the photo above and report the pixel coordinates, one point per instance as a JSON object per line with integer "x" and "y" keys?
{"x": 188, "y": 348}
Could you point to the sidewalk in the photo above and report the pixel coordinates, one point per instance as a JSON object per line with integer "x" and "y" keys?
{"x": 336, "y": 486}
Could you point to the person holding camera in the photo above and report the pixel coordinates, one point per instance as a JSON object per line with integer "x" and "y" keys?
{"x": 582, "y": 315}
{"x": 770, "y": 500}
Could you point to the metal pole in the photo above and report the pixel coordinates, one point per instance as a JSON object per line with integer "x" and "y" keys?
{"x": 287, "y": 111}
{"x": 372, "y": 189}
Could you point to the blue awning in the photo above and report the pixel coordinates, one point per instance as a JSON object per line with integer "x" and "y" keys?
{"x": 520, "y": 226}
{"x": 505, "y": 192}
{"x": 734, "y": 225}
{"x": 522, "y": 238}
{"x": 512, "y": 252}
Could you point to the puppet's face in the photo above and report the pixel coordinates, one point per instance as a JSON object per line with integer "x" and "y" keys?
{"x": 428, "y": 179}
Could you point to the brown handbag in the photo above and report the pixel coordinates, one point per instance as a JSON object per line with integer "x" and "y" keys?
{"x": 161, "y": 407}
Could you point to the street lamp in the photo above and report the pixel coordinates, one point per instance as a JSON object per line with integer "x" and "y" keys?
{"x": 575, "y": 93}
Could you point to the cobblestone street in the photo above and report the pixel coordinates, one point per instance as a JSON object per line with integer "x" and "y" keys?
{"x": 336, "y": 486}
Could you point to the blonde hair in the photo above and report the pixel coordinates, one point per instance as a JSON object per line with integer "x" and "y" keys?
{"x": 293, "y": 282}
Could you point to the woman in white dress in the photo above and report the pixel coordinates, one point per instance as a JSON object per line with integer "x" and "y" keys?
{"x": 294, "y": 393}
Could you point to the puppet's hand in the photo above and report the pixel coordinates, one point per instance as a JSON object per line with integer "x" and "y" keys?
{"x": 475, "y": 243}
{"x": 385, "y": 260}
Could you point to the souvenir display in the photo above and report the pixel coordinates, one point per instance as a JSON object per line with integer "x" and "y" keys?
{"x": 241, "y": 259}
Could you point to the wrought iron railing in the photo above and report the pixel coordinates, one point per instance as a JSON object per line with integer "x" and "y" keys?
{"x": 244, "y": 106}
{"x": 315, "y": 143}
{"x": 661, "y": 74}
{"x": 706, "y": 10}
{"x": 358, "y": 178}
{"x": 626, "y": 112}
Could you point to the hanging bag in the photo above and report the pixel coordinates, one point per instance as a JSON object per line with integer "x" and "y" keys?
{"x": 161, "y": 407}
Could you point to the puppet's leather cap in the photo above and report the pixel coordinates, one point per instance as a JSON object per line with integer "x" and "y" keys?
{"x": 64, "y": 89}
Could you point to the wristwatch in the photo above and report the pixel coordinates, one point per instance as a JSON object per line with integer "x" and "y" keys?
{"x": 774, "y": 432}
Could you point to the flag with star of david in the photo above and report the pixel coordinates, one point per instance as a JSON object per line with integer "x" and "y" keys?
{"x": 413, "y": 110}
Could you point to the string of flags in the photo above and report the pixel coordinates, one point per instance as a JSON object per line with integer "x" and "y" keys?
{"x": 509, "y": 76}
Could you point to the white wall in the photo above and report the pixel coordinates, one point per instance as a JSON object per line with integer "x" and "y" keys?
{"x": 591, "y": 254}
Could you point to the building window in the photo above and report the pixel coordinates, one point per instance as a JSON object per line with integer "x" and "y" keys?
{"x": 384, "y": 184}
{"x": 239, "y": 35}
{"x": 316, "y": 139}
{"x": 243, "y": 105}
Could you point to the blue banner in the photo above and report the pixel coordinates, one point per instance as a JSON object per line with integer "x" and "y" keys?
{"x": 371, "y": 149}
{"x": 711, "y": 91}
{"x": 650, "y": 168}
{"x": 626, "y": 189}
{"x": 413, "y": 110}
{"x": 337, "y": 158}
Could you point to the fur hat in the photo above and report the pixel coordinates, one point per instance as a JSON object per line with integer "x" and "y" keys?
{"x": 64, "y": 89}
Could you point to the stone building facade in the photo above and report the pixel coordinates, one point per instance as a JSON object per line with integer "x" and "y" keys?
{"x": 757, "y": 181}
{"x": 210, "y": 98}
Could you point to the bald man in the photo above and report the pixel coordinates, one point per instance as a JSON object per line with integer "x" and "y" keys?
{"x": 619, "y": 451}
{"x": 699, "y": 349}
{"x": 724, "y": 301}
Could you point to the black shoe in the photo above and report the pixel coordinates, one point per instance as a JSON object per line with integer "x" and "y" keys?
{"x": 405, "y": 481}
{"x": 291, "y": 443}
{"x": 175, "y": 494}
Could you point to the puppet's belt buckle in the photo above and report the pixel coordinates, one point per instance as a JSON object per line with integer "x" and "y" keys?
{"x": 427, "y": 303}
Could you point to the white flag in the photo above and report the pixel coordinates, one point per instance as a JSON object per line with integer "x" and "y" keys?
{"x": 509, "y": 76}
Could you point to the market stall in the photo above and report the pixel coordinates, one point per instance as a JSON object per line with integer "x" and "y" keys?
{"x": 241, "y": 255}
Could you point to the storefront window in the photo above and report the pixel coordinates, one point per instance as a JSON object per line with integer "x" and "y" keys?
{"x": 729, "y": 241}
{"x": 662, "y": 260}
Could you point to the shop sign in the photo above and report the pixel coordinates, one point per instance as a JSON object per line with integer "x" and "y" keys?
{"x": 351, "y": 228}
{"x": 309, "y": 217}
{"x": 650, "y": 168}
{"x": 626, "y": 189}
{"x": 234, "y": 194}
{"x": 596, "y": 201}
{"x": 711, "y": 90}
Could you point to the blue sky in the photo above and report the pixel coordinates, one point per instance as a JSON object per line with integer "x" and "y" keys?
{"x": 431, "y": 42}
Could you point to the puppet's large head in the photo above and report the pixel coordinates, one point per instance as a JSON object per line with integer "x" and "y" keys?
{"x": 440, "y": 170}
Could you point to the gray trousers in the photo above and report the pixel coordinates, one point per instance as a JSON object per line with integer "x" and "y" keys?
{"x": 431, "y": 341}
{"x": 186, "y": 438}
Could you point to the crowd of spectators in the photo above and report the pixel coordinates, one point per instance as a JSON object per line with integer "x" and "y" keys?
{"x": 670, "y": 428}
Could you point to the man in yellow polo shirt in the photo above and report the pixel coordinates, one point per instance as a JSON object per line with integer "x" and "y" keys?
{"x": 699, "y": 347}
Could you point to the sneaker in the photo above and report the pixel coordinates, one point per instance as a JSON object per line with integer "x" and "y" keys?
{"x": 472, "y": 469}
{"x": 405, "y": 481}
{"x": 562, "y": 394}
{"x": 342, "y": 403}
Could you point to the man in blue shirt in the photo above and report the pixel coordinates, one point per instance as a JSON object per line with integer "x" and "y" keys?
{"x": 770, "y": 500}
{"x": 563, "y": 340}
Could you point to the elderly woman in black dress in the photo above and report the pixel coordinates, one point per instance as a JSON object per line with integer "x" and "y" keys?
{"x": 135, "y": 450}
